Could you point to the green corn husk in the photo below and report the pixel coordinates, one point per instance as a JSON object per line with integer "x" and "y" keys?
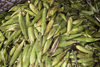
{"x": 50, "y": 24}
{"x": 47, "y": 45}
{"x": 38, "y": 16}
{"x": 59, "y": 50}
{"x": 33, "y": 54}
{"x": 33, "y": 8}
{"x": 16, "y": 54}
{"x": 52, "y": 11}
{"x": 58, "y": 58}
{"x": 14, "y": 35}
{"x": 22, "y": 24}
{"x": 83, "y": 49}
{"x": 43, "y": 23}
{"x": 69, "y": 25}
{"x": 31, "y": 34}
{"x": 30, "y": 12}
{"x": 25, "y": 51}
{"x": 11, "y": 21}
{"x": 66, "y": 43}
{"x": 52, "y": 32}
{"x": 65, "y": 37}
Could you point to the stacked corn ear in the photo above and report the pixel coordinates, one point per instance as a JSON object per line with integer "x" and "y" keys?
{"x": 50, "y": 33}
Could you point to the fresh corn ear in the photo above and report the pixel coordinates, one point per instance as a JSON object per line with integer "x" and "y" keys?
{"x": 33, "y": 8}
{"x": 52, "y": 11}
{"x": 81, "y": 48}
{"x": 17, "y": 52}
{"x": 50, "y": 33}
{"x": 22, "y": 24}
{"x": 69, "y": 25}
{"x": 50, "y": 24}
{"x": 47, "y": 45}
{"x": 38, "y": 16}
{"x": 43, "y": 23}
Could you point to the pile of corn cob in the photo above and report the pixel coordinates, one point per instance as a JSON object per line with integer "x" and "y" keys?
{"x": 50, "y": 33}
